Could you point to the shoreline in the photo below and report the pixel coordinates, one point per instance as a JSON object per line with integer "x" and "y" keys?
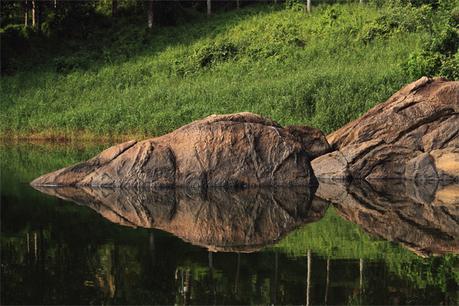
{"x": 42, "y": 137}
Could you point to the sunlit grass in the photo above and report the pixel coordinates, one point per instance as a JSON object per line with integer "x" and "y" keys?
{"x": 298, "y": 69}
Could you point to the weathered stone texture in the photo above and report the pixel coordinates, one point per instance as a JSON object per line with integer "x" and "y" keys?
{"x": 226, "y": 150}
{"x": 413, "y": 135}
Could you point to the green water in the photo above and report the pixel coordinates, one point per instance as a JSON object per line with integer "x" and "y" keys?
{"x": 58, "y": 252}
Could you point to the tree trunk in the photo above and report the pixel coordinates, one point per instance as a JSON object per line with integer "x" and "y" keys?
{"x": 327, "y": 284}
{"x": 55, "y": 4}
{"x": 150, "y": 14}
{"x": 209, "y": 8}
{"x": 26, "y": 13}
{"x": 276, "y": 276}
{"x": 238, "y": 5}
{"x": 361, "y": 275}
{"x": 238, "y": 268}
{"x": 361, "y": 1}
{"x": 308, "y": 6}
{"x": 308, "y": 279}
{"x": 152, "y": 248}
{"x": 114, "y": 7}
{"x": 34, "y": 13}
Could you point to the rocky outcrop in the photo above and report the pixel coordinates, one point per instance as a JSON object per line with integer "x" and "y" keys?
{"x": 413, "y": 135}
{"x": 226, "y": 150}
{"x": 421, "y": 217}
{"x": 242, "y": 220}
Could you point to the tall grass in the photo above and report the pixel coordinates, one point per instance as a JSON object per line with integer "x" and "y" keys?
{"x": 323, "y": 69}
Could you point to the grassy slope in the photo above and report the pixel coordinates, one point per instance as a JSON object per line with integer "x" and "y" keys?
{"x": 297, "y": 69}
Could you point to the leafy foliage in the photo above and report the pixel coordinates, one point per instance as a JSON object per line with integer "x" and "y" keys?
{"x": 397, "y": 19}
{"x": 440, "y": 53}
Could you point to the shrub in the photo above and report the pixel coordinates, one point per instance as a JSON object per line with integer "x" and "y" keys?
{"x": 397, "y": 19}
{"x": 450, "y": 67}
{"x": 423, "y": 63}
{"x": 439, "y": 56}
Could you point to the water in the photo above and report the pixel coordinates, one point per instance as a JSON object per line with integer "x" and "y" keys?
{"x": 379, "y": 244}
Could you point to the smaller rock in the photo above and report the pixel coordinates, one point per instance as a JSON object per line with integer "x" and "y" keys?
{"x": 331, "y": 166}
{"x": 421, "y": 168}
{"x": 447, "y": 163}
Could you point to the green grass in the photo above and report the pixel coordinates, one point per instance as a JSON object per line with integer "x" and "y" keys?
{"x": 323, "y": 69}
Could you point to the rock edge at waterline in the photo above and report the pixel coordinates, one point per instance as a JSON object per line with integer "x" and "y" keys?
{"x": 414, "y": 135}
{"x": 236, "y": 150}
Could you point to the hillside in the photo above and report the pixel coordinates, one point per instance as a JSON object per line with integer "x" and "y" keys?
{"x": 322, "y": 69}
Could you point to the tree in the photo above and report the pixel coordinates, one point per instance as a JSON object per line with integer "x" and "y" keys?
{"x": 35, "y": 19}
{"x": 150, "y": 14}
{"x": 114, "y": 7}
{"x": 26, "y": 13}
{"x": 209, "y": 8}
{"x": 308, "y": 6}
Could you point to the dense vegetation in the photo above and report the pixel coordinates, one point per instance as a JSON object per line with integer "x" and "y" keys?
{"x": 114, "y": 76}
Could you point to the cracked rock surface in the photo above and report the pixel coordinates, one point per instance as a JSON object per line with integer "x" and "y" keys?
{"x": 241, "y": 149}
{"x": 413, "y": 135}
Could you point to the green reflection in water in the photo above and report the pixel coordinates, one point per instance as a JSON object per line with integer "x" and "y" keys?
{"x": 55, "y": 252}
{"x": 336, "y": 238}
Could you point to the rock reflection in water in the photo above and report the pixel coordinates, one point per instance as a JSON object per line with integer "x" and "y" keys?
{"x": 241, "y": 220}
{"x": 421, "y": 217}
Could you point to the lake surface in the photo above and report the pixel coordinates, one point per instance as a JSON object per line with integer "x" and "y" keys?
{"x": 391, "y": 243}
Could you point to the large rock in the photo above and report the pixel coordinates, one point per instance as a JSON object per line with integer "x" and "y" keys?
{"x": 227, "y": 150}
{"x": 241, "y": 220}
{"x": 414, "y": 135}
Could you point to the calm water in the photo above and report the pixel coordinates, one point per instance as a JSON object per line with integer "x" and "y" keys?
{"x": 377, "y": 244}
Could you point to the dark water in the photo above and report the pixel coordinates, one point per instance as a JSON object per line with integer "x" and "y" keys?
{"x": 360, "y": 244}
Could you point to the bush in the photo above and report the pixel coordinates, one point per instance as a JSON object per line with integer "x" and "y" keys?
{"x": 204, "y": 56}
{"x": 294, "y": 5}
{"x": 450, "y": 67}
{"x": 439, "y": 56}
{"x": 445, "y": 41}
{"x": 396, "y": 19}
{"x": 423, "y": 63}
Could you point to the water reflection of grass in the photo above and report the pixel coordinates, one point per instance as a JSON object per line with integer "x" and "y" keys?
{"x": 336, "y": 238}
